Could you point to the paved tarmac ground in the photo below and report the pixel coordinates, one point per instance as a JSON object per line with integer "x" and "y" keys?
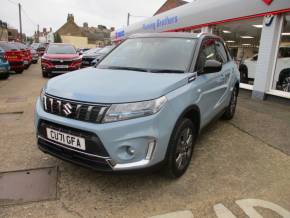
{"x": 234, "y": 162}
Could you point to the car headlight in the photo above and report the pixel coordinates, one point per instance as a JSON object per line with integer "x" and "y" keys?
{"x": 42, "y": 95}
{"x": 118, "y": 112}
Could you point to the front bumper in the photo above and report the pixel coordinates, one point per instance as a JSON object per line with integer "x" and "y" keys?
{"x": 87, "y": 62}
{"x": 146, "y": 138}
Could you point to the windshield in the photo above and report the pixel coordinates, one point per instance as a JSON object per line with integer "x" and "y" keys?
{"x": 151, "y": 54}
{"x": 92, "y": 51}
{"x": 106, "y": 49}
{"x": 35, "y": 45}
{"x": 61, "y": 49}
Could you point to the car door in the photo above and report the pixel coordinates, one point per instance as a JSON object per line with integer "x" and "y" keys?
{"x": 210, "y": 86}
{"x": 226, "y": 75}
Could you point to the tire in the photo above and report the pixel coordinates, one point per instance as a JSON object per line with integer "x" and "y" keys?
{"x": 19, "y": 71}
{"x": 44, "y": 74}
{"x": 180, "y": 148}
{"x": 4, "y": 76}
{"x": 244, "y": 74}
{"x": 231, "y": 108}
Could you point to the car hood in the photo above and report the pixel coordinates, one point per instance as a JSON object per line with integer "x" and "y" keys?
{"x": 113, "y": 86}
{"x": 93, "y": 55}
{"x": 61, "y": 56}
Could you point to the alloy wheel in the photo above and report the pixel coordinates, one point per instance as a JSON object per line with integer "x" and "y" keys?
{"x": 184, "y": 148}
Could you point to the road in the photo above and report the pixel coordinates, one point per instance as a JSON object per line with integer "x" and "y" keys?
{"x": 246, "y": 158}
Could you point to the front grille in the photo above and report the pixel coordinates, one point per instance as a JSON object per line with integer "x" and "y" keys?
{"x": 87, "y": 61}
{"x": 88, "y": 112}
{"x": 59, "y": 62}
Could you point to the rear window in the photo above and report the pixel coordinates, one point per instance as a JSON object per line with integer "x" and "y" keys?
{"x": 19, "y": 45}
{"x": 35, "y": 45}
{"x": 61, "y": 49}
{"x": 8, "y": 46}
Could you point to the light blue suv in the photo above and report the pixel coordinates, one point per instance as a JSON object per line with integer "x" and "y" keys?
{"x": 142, "y": 106}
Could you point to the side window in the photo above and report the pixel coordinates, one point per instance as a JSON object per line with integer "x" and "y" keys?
{"x": 221, "y": 52}
{"x": 207, "y": 52}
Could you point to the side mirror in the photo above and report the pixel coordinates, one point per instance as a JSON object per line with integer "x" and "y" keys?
{"x": 212, "y": 66}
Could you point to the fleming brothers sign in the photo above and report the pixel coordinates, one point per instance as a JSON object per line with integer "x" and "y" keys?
{"x": 160, "y": 23}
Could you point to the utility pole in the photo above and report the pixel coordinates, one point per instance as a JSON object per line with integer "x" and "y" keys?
{"x": 20, "y": 21}
{"x": 37, "y": 33}
{"x": 128, "y": 19}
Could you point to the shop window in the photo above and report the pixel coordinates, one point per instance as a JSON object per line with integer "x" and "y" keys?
{"x": 281, "y": 78}
{"x": 243, "y": 40}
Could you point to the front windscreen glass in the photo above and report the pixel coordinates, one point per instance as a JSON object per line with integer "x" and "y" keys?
{"x": 151, "y": 54}
{"x": 61, "y": 49}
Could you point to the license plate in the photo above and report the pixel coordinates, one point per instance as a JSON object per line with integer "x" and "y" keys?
{"x": 66, "y": 139}
{"x": 61, "y": 66}
{"x": 59, "y": 71}
{"x": 25, "y": 62}
{"x": 86, "y": 62}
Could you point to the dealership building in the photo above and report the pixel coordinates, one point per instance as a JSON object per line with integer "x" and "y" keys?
{"x": 257, "y": 33}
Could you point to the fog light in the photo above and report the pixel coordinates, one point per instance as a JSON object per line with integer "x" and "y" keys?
{"x": 151, "y": 147}
{"x": 130, "y": 150}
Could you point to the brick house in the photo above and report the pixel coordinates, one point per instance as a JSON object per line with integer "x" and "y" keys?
{"x": 84, "y": 36}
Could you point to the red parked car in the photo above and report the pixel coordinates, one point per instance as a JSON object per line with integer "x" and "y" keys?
{"x": 26, "y": 52}
{"x": 60, "y": 58}
{"x": 14, "y": 56}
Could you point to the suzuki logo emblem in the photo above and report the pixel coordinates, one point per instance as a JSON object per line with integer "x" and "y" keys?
{"x": 67, "y": 109}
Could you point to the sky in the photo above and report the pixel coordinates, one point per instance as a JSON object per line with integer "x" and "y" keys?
{"x": 53, "y": 13}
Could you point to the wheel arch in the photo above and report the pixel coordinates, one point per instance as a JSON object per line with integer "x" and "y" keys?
{"x": 193, "y": 113}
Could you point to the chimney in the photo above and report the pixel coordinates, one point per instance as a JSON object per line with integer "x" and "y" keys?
{"x": 70, "y": 18}
{"x": 85, "y": 25}
{"x": 112, "y": 29}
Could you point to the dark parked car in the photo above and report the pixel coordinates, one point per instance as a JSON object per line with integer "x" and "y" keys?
{"x": 4, "y": 66}
{"x": 35, "y": 55}
{"x": 14, "y": 56}
{"x": 91, "y": 60}
{"x": 89, "y": 56}
{"x": 60, "y": 58}
{"x": 39, "y": 47}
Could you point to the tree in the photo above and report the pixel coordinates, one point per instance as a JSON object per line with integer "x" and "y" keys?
{"x": 57, "y": 37}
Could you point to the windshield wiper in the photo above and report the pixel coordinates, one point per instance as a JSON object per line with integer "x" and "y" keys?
{"x": 166, "y": 71}
{"x": 126, "y": 68}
